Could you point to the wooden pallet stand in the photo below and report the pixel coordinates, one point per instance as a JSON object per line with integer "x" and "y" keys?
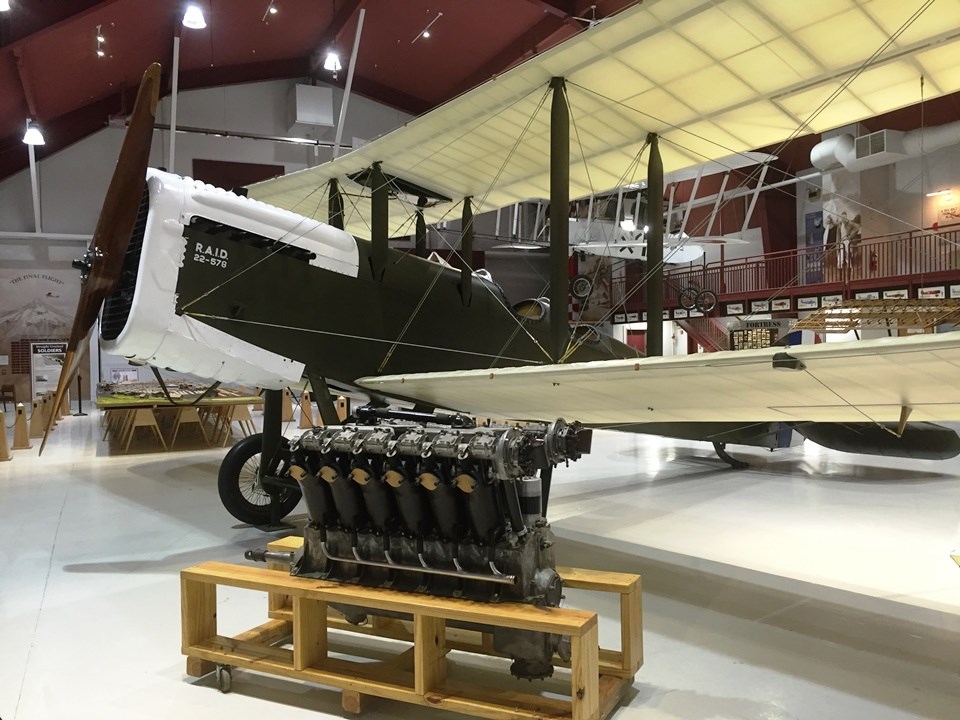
{"x": 298, "y": 616}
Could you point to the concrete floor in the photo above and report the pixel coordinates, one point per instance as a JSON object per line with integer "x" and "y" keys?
{"x": 813, "y": 585}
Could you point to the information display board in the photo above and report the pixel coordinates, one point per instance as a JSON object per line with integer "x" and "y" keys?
{"x": 46, "y": 364}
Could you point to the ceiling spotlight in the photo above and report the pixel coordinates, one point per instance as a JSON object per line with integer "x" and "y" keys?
{"x": 100, "y": 53}
{"x": 628, "y": 225}
{"x": 271, "y": 10}
{"x": 33, "y": 136}
{"x": 4, "y": 5}
{"x": 425, "y": 33}
{"x": 193, "y": 18}
{"x": 332, "y": 62}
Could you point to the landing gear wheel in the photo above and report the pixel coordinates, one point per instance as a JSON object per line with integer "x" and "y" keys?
{"x": 224, "y": 678}
{"x": 581, "y": 287}
{"x": 240, "y": 489}
{"x": 688, "y": 298}
{"x": 706, "y": 301}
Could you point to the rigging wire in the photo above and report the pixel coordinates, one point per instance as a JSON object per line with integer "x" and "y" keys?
{"x": 351, "y": 336}
{"x": 495, "y": 295}
{"x": 630, "y": 171}
{"x": 467, "y": 262}
{"x": 281, "y": 245}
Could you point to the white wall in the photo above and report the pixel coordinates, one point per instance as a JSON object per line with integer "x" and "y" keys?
{"x": 74, "y": 180}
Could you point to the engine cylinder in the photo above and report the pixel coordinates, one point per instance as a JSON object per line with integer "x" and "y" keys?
{"x": 346, "y": 497}
{"x": 530, "y": 492}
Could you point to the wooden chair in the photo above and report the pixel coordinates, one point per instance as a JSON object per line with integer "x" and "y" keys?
{"x": 243, "y": 418}
{"x": 188, "y": 416}
{"x": 143, "y": 417}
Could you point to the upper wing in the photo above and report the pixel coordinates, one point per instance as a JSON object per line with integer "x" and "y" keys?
{"x": 712, "y": 78}
{"x": 839, "y": 382}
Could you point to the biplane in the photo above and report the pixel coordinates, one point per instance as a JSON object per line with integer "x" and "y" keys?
{"x": 298, "y": 279}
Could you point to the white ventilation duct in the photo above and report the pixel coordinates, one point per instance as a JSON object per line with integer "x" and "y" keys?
{"x": 882, "y": 147}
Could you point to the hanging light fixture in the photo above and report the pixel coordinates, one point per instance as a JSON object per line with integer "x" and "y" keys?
{"x": 193, "y": 18}
{"x": 332, "y": 62}
{"x": 100, "y": 41}
{"x": 33, "y": 136}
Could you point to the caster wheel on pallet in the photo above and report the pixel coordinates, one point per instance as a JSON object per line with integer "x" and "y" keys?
{"x": 224, "y": 678}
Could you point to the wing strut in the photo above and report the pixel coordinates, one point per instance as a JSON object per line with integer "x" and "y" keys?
{"x": 421, "y": 232}
{"x": 466, "y": 253}
{"x": 335, "y": 205}
{"x": 379, "y": 214}
{"x": 559, "y": 222}
{"x": 654, "y": 248}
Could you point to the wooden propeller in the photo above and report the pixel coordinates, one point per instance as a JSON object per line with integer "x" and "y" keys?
{"x": 103, "y": 261}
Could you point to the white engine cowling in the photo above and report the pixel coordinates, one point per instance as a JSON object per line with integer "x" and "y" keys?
{"x": 154, "y": 334}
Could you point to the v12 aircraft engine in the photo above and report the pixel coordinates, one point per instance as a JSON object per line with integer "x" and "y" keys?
{"x": 451, "y": 510}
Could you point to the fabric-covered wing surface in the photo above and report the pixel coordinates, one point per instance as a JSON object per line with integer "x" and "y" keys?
{"x": 842, "y": 382}
{"x": 712, "y": 78}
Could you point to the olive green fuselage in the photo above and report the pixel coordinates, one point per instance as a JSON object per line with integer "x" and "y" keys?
{"x": 344, "y": 327}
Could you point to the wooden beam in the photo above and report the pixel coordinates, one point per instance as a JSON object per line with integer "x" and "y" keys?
{"x": 25, "y": 83}
{"x": 560, "y": 8}
{"x": 53, "y": 15}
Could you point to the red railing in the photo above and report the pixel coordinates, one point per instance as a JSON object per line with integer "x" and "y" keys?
{"x": 711, "y": 334}
{"x": 876, "y": 262}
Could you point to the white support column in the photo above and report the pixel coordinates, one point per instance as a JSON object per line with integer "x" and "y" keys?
{"x": 346, "y": 89}
{"x": 35, "y": 189}
{"x": 673, "y": 192}
{"x": 753, "y": 199}
{"x": 716, "y": 205}
{"x": 693, "y": 196}
{"x": 175, "y": 78}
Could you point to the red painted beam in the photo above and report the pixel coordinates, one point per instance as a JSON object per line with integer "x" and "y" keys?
{"x": 33, "y": 18}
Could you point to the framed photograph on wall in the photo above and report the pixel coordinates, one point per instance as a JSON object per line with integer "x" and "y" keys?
{"x": 932, "y": 293}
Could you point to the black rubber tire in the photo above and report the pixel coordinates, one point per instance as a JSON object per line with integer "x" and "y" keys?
{"x": 706, "y": 301}
{"x": 239, "y": 490}
{"x": 688, "y": 298}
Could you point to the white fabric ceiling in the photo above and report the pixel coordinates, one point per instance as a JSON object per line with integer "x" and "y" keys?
{"x": 711, "y": 77}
